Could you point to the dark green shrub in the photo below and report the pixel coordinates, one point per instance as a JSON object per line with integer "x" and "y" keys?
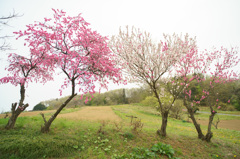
{"x": 235, "y": 101}
{"x": 237, "y": 106}
{"x": 39, "y": 106}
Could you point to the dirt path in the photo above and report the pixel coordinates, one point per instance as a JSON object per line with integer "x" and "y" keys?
{"x": 98, "y": 113}
{"x": 227, "y": 124}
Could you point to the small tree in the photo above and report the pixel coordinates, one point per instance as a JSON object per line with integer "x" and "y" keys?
{"x": 147, "y": 62}
{"x": 220, "y": 65}
{"x": 22, "y": 71}
{"x": 82, "y": 54}
{"x": 39, "y": 106}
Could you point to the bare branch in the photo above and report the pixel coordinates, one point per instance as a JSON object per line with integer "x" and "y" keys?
{"x": 44, "y": 119}
{"x": 5, "y": 19}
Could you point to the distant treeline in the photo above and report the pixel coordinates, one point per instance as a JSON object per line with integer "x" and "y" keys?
{"x": 113, "y": 97}
{"x": 140, "y": 95}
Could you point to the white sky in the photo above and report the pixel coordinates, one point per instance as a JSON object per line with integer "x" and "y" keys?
{"x": 213, "y": 22}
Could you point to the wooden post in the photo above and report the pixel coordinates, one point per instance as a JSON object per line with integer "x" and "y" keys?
{"x": 131, "y": 117}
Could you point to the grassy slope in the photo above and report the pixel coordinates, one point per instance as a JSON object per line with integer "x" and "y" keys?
{"x": 79, "y": 139}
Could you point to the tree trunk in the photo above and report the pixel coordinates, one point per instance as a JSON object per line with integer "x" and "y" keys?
{"x": 22, "y": 93}
{"x": 15, "y": 113}
{"x": 209, "y": 134}
{"x": 13, "y": 118}
{"x": 163, "y": 131}
{"x": 124, "y": 97}
{"x": 46, "y": 127}
{"x": 197, "y": 126}
{"x": 11, "y": 122}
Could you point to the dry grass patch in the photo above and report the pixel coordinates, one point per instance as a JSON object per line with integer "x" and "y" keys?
{"x": 95, "y": 113}
{"x": 33, "y": 113}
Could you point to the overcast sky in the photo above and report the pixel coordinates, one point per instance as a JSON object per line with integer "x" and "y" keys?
{"x": 213, "y": 22}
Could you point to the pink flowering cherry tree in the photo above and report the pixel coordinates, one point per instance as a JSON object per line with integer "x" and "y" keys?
{"x": 82, "y": 54}
{"x": 147, "y": 62}
{"x": 219, "y": 65}
{"x": 23, "y": 70}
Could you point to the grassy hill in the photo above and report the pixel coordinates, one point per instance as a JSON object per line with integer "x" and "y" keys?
{"x": 90, "y": 137}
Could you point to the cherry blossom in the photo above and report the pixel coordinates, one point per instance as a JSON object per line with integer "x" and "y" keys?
{"x": 81, "y": 54}
{"x": 22, "y": 70}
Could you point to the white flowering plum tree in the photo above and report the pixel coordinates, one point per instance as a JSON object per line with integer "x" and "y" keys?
{"x": 148, "y": 62}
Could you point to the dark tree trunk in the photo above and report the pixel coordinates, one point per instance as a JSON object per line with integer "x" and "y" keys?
{"x": 124, "y": 97}
{"x": 11, "y": 122}
{"x": 163, "y": 131}
{"x": 47, "y": 124}
{"x": 46, "y": 127}
{"x": 197, "y": 126}
{"x": 22, "y": 93}
{"x": 13, "y": 118}
{"x": 209, "y": 134}
{"x": 16, "y": 111}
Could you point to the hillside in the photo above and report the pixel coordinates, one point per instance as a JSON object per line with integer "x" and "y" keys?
{"x": 109, "y": 132}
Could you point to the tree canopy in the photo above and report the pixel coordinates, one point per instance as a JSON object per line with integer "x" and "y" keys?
{"x": 39, "y": 106}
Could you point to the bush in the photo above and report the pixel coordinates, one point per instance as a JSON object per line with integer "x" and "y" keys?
{"x": 231, "y": 108}
{"x": 49, "y": 108}
{"x": 150, "y": 101}
{"x": 237, "y": 106}
{"x": 223, "y": 106}
{"x": 176, "y": 110}
{"x": 136, "y": 125}
{"x": 226, "y": 107}
{"x": 235, "y": 102}
{"x": 39, "y": 106}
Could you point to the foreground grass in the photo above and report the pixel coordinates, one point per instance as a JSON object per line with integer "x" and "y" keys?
{"x": 84, "y": 139}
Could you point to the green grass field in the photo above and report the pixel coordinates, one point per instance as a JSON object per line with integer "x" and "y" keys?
{"x": 84, "y": 138}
